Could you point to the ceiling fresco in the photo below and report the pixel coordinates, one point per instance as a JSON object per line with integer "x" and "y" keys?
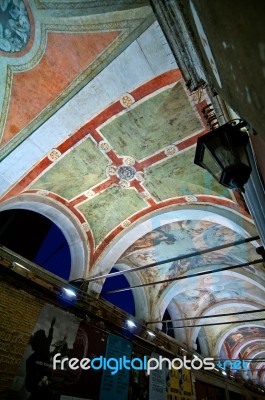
{"x": 98, "y": 133}
{"x": 81, "y": 45}
{"x": 15, "y": 26}
{"x": 114, "y": 173}
{"x": 241, "y": 336}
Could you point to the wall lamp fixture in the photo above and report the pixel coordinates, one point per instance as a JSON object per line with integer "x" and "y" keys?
{"x": 222, "y": 152}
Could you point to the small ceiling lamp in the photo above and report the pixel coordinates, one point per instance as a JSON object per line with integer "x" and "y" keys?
{"x": 223, "y": 153}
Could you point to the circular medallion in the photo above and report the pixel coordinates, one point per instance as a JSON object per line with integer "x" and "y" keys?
{"x": 124, "y": 184}
{"x": 54, "y": 154}
{"x": 89, "y": 194}
{"x": 126, "y": 223}
{"x": 127, "y": 100}
{"x": 126, "y": 172}
{"x": 104, "y": 146}
{"x": 111, "y": 170}
{"x": 171, "y": 150}
{"x": 86, "y": 226}
{"x": 190, "y": 198}
{"x": 129, "y": 160}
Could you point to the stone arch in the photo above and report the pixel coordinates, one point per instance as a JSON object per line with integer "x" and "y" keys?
{"x": 221, "y": 215}
{"x": 230, "y": 330}
{"x": 139, "y": 293}
{"x": 259, "y": 366}
{"x": 177, "y": 287}
{"x": 246, "y": 342}
{"x": 255, "y": 353}
{"x": 175, "y": 313}
{"x": 212, "y": 309}
{"x": 66, "y": 221}
{"x": 170, "y": 292}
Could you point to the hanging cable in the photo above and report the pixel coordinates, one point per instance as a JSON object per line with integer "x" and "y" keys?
{"x": 184, "y": 277}
{"x": 183, "y": 257}
{"x": 207, "y": 316}
{"x": 218, "y": 323}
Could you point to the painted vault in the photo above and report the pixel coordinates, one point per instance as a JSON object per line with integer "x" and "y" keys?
{"x": 98, "y": 132}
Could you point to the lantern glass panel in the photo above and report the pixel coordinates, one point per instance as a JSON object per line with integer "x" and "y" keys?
{"x": 210, "y": 163}
{"x": 223, "y": 151}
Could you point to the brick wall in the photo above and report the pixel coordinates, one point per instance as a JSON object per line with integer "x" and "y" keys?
{"x": 19, "y": 312}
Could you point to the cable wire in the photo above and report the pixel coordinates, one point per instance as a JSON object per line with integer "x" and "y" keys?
{"x": 184, "y": 277}
{"x": 183, "y": 257}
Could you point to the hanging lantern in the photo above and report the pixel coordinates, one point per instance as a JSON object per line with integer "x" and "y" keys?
{"x": 223, "y": 153}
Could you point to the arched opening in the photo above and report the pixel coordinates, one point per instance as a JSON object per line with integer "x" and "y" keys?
{"x": 123, "y": 300}
{"x": 202, "y": 343}
{"x": 36, "y": 238}
{"x": 167, "y": 327}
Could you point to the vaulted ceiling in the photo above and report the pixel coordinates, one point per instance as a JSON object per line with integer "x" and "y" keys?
{"x": 98, "y": 133}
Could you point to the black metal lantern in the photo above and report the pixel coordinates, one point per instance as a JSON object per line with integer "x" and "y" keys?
{"x": 223, "y": 153}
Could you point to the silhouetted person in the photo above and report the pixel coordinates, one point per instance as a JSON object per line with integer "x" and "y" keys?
{"x": 60, "y": 347}
{"x": 37, "y": 365}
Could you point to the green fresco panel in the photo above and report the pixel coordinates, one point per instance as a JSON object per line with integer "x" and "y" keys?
{"x": 179, "y": 176}
{"x": 79, "y": 170}
{"x": 109, "y": 209}
{"x": 154, "y": 124}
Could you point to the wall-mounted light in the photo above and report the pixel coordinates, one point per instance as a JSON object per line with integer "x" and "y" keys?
{"x": 16, "y": 264}
{"x": 151, "y": 334}
{"x": 69, "y": 293}
{"x": 184, "y": 350}
{"x": 223, "y": 153}
{"x": 130, "y": 323}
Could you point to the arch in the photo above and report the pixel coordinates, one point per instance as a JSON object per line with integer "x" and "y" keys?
{"x": 230, "y": 330}
{"x": 139, "y": 293}
{"x": 255, "y": 353}
{"x": 262, "y": 376}
{"x": 212, "y": 309}
{"x": 216, "y": 214}
{"x": 176, "y": 288}
{"x": 37, "y": 239}
{"x": 173, "y": 290}
{"x": 203, "y": 343}
{"x": 245, "y": 343}
{"x": 66, "y": 221}
{"x": 259, "y": 366}
{"x": 175, "y": 313}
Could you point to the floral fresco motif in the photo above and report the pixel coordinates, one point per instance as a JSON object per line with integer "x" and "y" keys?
{"x": 14, "y": 26}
